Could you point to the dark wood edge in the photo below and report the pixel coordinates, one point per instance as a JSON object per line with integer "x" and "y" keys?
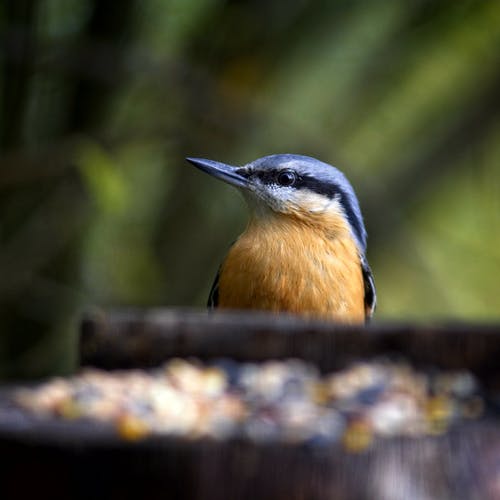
{"x": 146, "y": 338}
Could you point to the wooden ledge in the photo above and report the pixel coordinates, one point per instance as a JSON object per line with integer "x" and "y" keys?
{"x": 145, "y": 338}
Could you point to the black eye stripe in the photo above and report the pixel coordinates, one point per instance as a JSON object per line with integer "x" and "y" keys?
{"x": 330, "y": 190}
{"x": 272, "y": 176}
{"x": 267, "y": 176}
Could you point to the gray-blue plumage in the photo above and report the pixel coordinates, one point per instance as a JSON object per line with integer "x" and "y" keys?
{"x": 320, "y": 178}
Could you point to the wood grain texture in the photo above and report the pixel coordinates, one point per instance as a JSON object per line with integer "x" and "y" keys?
{"x": 93, "y": 462}
{"x": 145, "y": 338}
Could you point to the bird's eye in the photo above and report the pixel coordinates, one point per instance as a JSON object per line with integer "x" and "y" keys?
{"x": 287, "y": 178}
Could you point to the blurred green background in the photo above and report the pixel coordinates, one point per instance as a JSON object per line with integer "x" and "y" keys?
{"x": 102, "y": 100}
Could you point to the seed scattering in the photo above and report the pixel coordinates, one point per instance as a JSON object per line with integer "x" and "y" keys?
{"x": 288, "y": 401}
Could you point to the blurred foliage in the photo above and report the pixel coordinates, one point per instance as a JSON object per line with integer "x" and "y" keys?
{"x": 101, "y": 102}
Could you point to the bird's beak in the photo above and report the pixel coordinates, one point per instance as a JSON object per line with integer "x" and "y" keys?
{"x": 226, "y": 173}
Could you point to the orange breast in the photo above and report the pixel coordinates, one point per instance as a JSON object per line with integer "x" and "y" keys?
{"x": 284, "y": 265}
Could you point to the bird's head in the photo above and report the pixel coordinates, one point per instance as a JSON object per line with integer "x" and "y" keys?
{"x": 297, "y": 186}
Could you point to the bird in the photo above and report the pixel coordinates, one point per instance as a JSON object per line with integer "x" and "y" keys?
{"x": 304, "y": 248}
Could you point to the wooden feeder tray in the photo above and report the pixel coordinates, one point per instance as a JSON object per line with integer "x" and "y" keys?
{"x": 51, "y": 458}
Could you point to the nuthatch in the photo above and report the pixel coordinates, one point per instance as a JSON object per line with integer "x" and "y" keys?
{"x": 303, "y": 250}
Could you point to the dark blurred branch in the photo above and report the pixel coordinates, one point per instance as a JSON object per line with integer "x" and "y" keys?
{"x": 110, "y": 22}
{"x": 44, "y": 222}
{"x": 98, "y": 62}
{"x": 18, "y": 261}
{"x": 17, "y": 71}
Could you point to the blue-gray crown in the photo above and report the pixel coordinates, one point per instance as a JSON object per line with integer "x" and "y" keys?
{"x": 320, "y": 178}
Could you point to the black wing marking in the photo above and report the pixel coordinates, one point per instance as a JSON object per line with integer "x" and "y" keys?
{"x": 213, "y": 296}
{"x": 370, "y": 292}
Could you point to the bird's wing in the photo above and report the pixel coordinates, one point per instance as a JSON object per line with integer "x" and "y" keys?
{"x": 370, "y": 292}
{"x": 213, "y": 296}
